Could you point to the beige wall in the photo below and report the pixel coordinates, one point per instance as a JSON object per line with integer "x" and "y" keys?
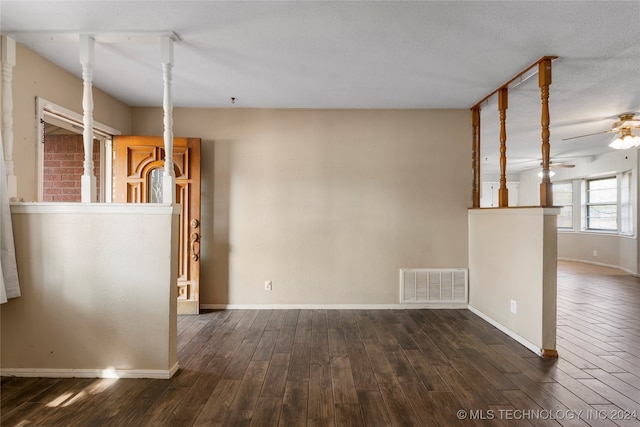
{"x": 327, "y": 204}
{"x": 98, "y": 291}
{"x": 611, "y": 250}
{"x": 512, "y": 256}
{"x": 34, "y": 76}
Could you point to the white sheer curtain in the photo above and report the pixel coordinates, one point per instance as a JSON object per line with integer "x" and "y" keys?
{"x": 9, "y": 286}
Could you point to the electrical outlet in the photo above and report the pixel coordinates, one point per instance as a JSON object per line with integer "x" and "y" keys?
{"x": 595, "y": 252}
{"x": 514, "y": 307}
{"x": 268, "y": 286}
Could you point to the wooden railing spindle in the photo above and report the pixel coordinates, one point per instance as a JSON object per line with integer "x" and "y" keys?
{"x": 503, "y": 104}
{"x": 544, "y": 81}
{"x": 475, "y": 157}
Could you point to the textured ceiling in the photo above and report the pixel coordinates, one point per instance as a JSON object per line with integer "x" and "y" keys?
{"x": 361, "y": 55}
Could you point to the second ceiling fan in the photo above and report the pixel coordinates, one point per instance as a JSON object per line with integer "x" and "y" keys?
{"x": 623, "y": 127}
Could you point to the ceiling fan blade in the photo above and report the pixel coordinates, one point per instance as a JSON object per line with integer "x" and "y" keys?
{"x": 553, "y": 164}
{"x": 589, "y": 134}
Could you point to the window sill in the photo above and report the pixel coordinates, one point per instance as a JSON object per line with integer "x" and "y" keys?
{"x": 597, "y": 233}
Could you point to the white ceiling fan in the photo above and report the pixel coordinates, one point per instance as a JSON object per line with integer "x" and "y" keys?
{"x": 559, "y": 165}
{"x": 624, "y": 128}
{"x": 554, "y": 165}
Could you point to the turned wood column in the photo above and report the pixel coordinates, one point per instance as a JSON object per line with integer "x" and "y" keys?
{"x": 503, "y": 104}
{"x": 475, "y": 156}
{"x": 8, "y": 62}
{"x": 169, "y": 179}
{"x": 544, "y": 81}
{"x": 88, "y": 180}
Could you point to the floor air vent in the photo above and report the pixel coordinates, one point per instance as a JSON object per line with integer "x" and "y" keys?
{"x": 433, "y": 286}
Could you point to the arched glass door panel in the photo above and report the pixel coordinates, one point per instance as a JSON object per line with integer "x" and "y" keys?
{"x": 155, "y": 185}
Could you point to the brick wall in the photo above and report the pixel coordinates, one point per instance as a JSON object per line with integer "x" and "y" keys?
{"x": 63, "y": 167}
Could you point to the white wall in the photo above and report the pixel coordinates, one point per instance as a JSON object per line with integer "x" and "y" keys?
{"x": 610, "y": 249}
{"x": 327, "y": 204}
{"x": 512, "y": 256}
{"x": 98, "y": 291}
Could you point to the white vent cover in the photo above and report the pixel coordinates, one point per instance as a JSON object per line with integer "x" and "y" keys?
{"x": 433, "y": 285}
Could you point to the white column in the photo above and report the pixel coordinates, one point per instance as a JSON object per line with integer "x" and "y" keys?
{"x": 8, "y": 62}
{"x": 87, "y": 55}
{"x": 169, "y": 179}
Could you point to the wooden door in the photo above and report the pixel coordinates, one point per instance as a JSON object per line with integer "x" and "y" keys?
{"x": 138, "y": 171}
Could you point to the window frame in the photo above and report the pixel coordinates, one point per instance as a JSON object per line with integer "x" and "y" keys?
{"x": 627, "y": 196}
{"x": 571, "y": 204}
{"x": 588, "y": 204}
{"x": 46, "y": 110}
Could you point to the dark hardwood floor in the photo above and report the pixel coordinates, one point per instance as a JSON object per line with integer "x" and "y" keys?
{"x": 372, "y": 368}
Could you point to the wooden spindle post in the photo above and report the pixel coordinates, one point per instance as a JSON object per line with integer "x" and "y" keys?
{"x": 475, "y": 156}
{"x": 503, "y": 104}
{"x": 169, "y": 179}
{"x": 88, "y": 179}
{"x": 544, "y": 81}
{"x": 8, "y": 62}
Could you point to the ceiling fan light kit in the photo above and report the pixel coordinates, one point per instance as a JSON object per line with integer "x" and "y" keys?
{"x": 625, "y": 141}
{"x": 551, "y": 173}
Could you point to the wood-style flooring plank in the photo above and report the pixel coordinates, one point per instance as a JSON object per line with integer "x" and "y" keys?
{"x": 197, "y": 396}
{"x": 374, "y": 411}
{"x": 114, "y": 407}
{"x": 320, "y": 403}
{"x": 462, "y": 389}
{"x": 523, "y": 403}
{"x": 218, "y": 403}
{"x": 538, "y": 394}
{"x": 303, "y": 327}
{"x": 139, "y": 404}
{"x": 267, "y": 412}
{"x": 275, "y": 321}
{"x": 294, "y": 404}
{"x": 28, "y": 413}
{"x": 284, "y": 341}
{"x": 398, "y": 406}
{"x": 299, "y": 363}
{"x": 266, "y": 345}
{"x": 238, "y": 418}
{"x": 240, "y": 360}
{"x": 572, "y": 402}
{"x": 363, "y": 376}
{"x": 337, "y": 343}
{"x": 291, "y": 317}
{"x": 344, "y": 390}
{"x": 276, "y": 377}
{"x": 401, "y": 365}
{"x": 434, "y": 408}
{"x": 164, "y": 406}
{"x": 349, "y": 415}
{"x": 21, "y": 390}
{"x": 250, "y": 387}
{"x": 351, "y": 335}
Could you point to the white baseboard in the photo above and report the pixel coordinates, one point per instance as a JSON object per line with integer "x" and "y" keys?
{"x": 89, "y": 373}
{"x": 421, "y": 306}
{"x": 534, "y": 348}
